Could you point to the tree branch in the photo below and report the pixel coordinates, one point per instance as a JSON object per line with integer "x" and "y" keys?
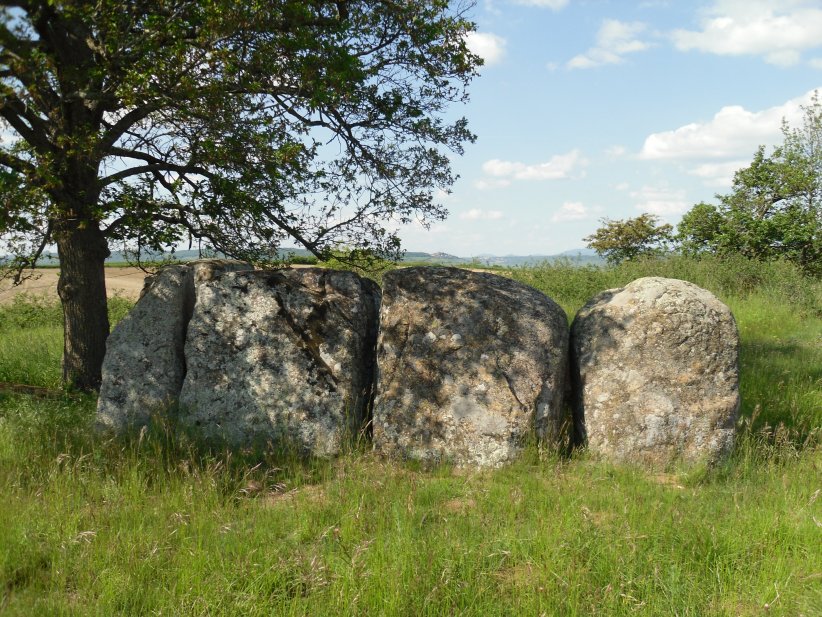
{"x": 17, "y": 164}
{"x": 154, "y": 168}
{"x": 154, "y": 164}
{"x": 30, "y": 127}
{"x": 119, "y": 128}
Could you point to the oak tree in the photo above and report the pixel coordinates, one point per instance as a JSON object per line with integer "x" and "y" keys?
{"x": 241, "y": 124}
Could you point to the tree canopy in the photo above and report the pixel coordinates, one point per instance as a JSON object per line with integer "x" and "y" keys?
{"x": 241, "y": 124}
{"x": 774, "y": 209}
{"x": 631, "y": 238}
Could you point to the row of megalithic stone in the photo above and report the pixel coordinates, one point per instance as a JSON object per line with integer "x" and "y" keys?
{"x": 440, "y": 365}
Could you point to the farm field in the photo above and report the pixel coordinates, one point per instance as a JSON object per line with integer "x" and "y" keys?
{"x": 126, "y": 282}
{"x": 157, "y": 525}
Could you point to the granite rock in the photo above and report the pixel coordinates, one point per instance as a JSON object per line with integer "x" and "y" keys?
{"x": 144, "y": 366}
{"x": 281, "y": 356}
{"x": 655, "y": 373}
{"x": 470, "y": 365}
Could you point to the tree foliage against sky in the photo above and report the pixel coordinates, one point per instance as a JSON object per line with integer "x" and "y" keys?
{"x": 775, "y": 206}
{"x": 245, "y": 125}
{"x": 773, "y": 211}
{"x": 631, "y": 238}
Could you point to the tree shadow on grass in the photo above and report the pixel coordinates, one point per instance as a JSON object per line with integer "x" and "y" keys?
{"x": 57, "y": 436}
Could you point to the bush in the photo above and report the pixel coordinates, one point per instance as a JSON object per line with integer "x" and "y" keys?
{"x": 27, "y": 311}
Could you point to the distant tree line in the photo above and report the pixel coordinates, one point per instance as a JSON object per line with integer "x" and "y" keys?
{"x": 774, "y": 210}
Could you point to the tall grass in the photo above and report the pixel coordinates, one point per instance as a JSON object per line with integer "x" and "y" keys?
{"x": 31, "y": 335}
{"x": 730, "y": 279}
{"x": 778, "y": 311}
{"x": 158, "y": 525}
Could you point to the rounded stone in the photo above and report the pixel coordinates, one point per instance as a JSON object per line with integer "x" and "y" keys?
{"x": 655, "y": 372}
{"x": 470, "y": 366}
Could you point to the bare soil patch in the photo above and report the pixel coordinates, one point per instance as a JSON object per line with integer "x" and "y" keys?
{"x": 126, "y": 282}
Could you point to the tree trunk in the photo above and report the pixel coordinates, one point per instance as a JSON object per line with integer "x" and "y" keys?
{"x": 82, "y": 289}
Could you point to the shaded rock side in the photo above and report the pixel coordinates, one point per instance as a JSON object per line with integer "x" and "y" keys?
{"x": 285, "y": 356}
{"x": 144, "y": 366}
{"x": 655, "y": 373}
{"x": 469, "y": 365}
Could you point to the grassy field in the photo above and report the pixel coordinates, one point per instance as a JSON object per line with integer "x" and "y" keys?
{"x": 157, "y": 526}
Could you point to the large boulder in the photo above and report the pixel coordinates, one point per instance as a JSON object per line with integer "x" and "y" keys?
{"x": 285, "y": 356}
{"x": 655, "y": 373}
{"x": 469, "y": 365}
{"x": 144, "y": 366}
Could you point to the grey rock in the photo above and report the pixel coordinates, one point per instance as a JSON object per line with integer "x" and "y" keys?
{"x": 469, "y": 365}
{"x": 656, "y": 373}
{"x": 144, "y": 365}
{"x": 285, "y": 356}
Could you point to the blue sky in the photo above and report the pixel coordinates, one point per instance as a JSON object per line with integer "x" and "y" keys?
{"x": 594, "y": 108}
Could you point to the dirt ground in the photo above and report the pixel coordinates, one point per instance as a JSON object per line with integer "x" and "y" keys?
{"x": 126, "y": 282}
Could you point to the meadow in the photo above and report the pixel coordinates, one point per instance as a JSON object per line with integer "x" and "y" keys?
{"x": 156, "y": 524}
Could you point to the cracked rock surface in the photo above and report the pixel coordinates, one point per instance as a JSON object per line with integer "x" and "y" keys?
{"x": 656, "y": 374}
{"x": 281, "y": 355}
{"x": 469, "y": 365}
{"x": 144, "y": 366}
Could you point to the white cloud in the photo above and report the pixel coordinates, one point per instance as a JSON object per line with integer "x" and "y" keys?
{"x": 477, "y": 214}
{"x": 732, "y": 133}
{"x": 718, "y": 175}
{"x": 442, "y": 195}
{"x": 614, "y": 40}
{"x": 570, "y": 211}
{"x": 660, "y": 200}
{"x": 417, "y": 237}
{"x": 557, "y": 167}
{"x": 487, "y": 184}
{"x": 487, "y": 46}
{"x": 491, "y": 7}
{"x": 615, "y": 152}
{"x": 815, "y": 63}
{"x": 777, "y": 30}
{"x": 554, "y": 5}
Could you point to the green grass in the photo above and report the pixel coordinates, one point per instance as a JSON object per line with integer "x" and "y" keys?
{"x": 32, "y": 339}
{"x": 156, "y": 525}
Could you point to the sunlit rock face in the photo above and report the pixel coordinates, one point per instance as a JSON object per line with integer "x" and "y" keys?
{"x": 470, "y": 366}
{"x": 655, "y": 373}
{"x": 283, "y": 357}
{"x": 144, "y": 366}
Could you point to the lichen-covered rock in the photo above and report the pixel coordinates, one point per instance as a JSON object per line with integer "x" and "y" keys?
{"x": 655, "y": 373}
{"x": 285, "y": 356}
{"x": 144, "y": 366}
{"x": 469, "y": 365}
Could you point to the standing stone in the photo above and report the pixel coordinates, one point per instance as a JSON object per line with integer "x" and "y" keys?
{"x": 285, "y": 356}
{"x": 144, "y": 366}
{"x": 469, "y": 364}
{"x": 655, "y": 372}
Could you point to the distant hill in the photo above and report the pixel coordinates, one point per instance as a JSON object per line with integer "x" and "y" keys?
{"x": 576, "y": 256}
